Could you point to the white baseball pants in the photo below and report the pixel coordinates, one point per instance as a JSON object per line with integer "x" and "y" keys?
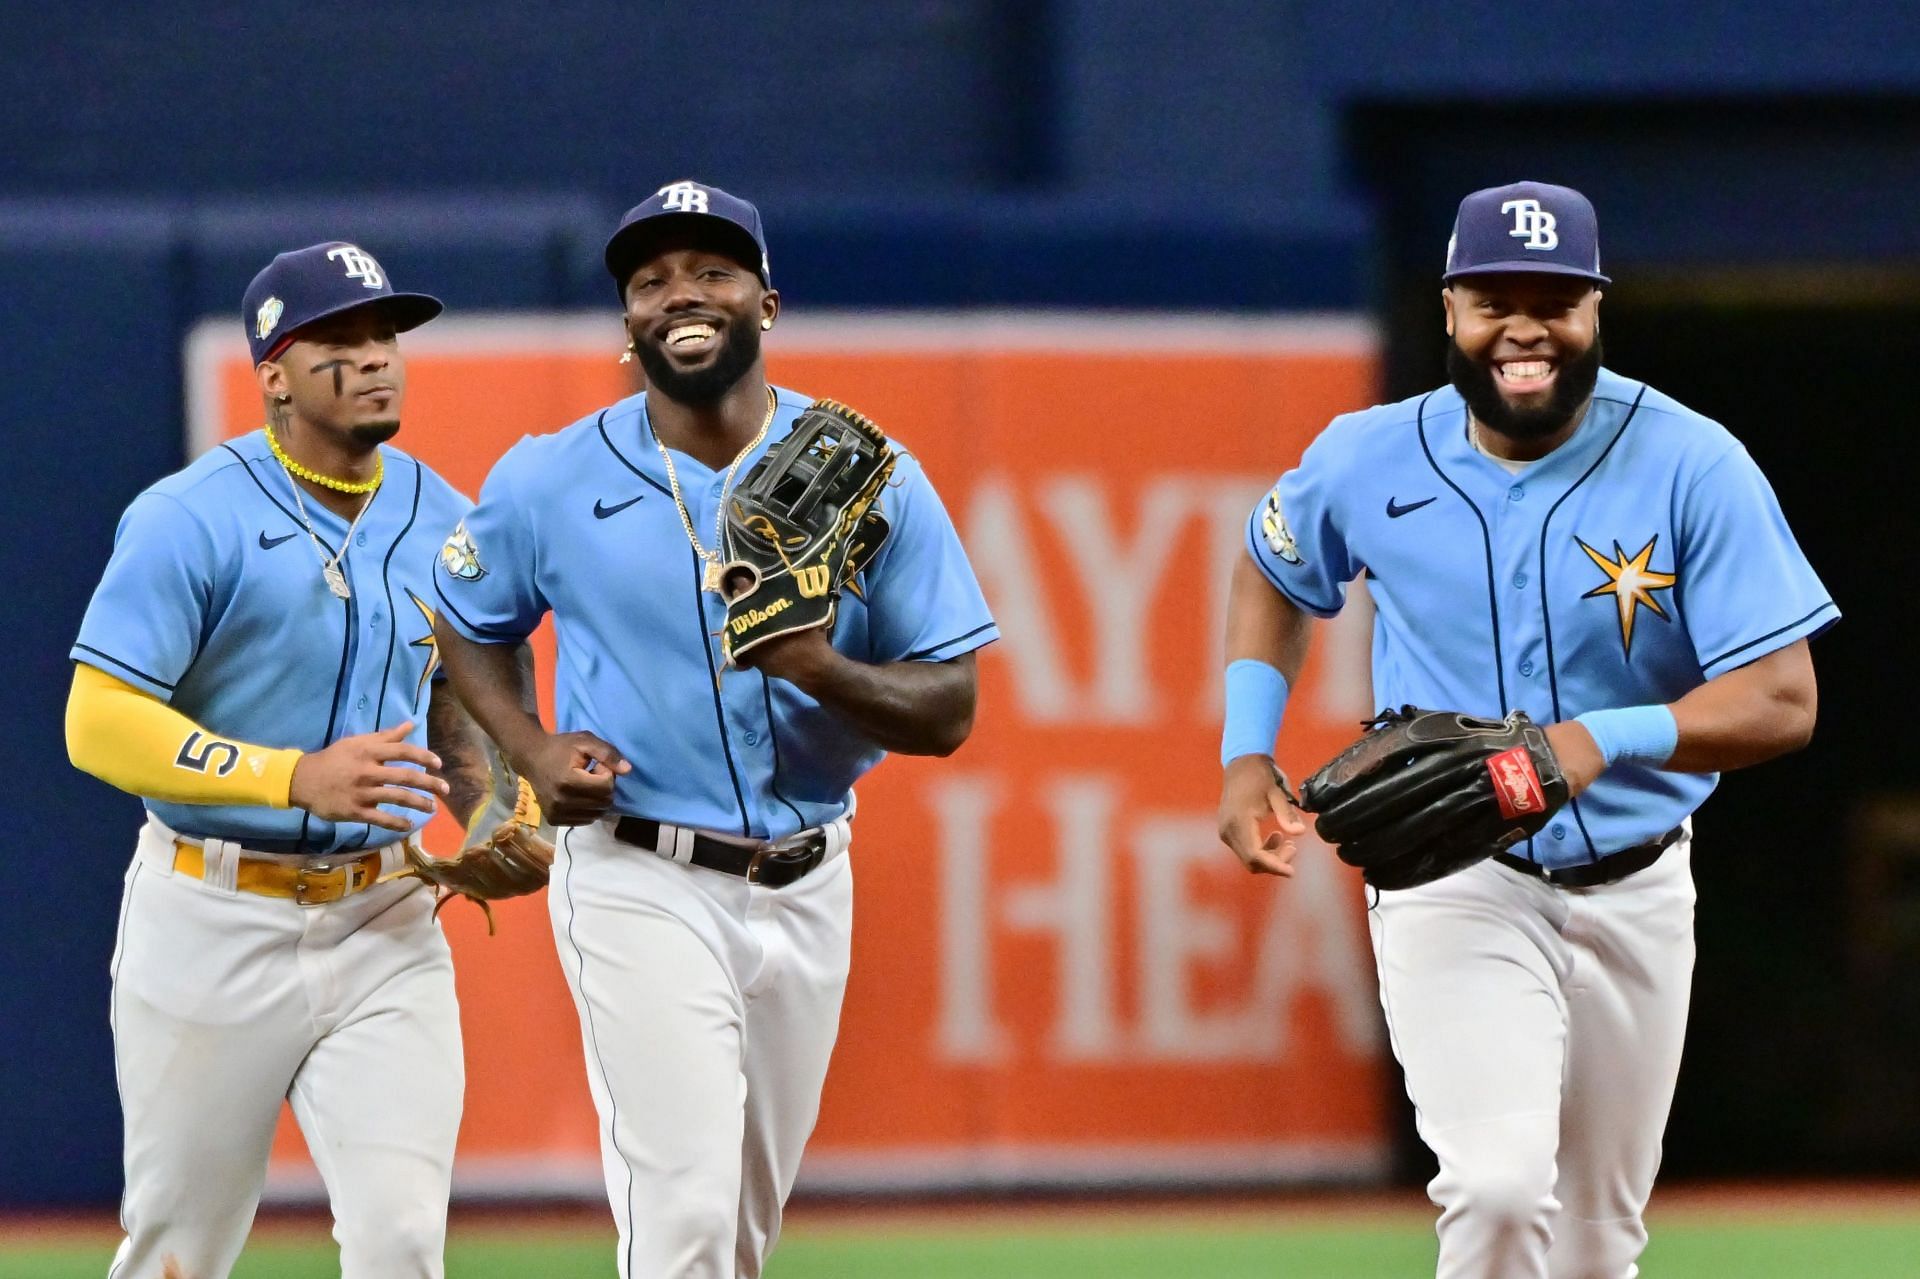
{"x": 1540, "y": 1030}
{"x": 708, "y": 1009}
{"x": 225, "y": 1003}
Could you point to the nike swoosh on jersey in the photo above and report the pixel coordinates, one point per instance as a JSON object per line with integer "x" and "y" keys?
{"x": 1395, "y": 511}
{"x": 601, "y": 510}
{"x": 268, "y": 543}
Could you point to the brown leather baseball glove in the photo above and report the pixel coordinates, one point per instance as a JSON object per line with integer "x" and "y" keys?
{"x": 509, "y": 851}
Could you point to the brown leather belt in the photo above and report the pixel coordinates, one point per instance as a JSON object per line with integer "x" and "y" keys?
{"x": 312, "y": 881}
{"x": 757, "y": 864}
{"x": 1610, "y": 869}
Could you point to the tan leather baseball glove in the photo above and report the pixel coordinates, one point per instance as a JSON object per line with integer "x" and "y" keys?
{"x": 509, "y": 850}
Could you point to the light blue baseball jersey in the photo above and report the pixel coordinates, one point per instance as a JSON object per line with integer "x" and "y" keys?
{"x": 213, "y": 602}
{"x": 1641, "y": 558}
{"x": 582, "y": 523}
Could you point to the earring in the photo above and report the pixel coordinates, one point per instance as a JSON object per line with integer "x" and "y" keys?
{"x": 626, "y": 356}
{"x": 283, "y": 399}
{"x": 766, "y": 324}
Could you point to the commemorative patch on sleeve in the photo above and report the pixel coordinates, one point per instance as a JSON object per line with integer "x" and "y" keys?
{"x": 460, "y": 557}
{"x": 1273, "y": 525}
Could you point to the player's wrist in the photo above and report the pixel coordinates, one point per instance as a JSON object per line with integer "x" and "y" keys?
{"x": 1256, "y": 703}
{"x": 1633, "y": 734}
{"x": 805, "y": 659}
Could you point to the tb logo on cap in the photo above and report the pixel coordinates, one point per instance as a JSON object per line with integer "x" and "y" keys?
{"x": 683, "y": 197}
{"x": 1532, "y": 224}
{"x": 359, "y": 264}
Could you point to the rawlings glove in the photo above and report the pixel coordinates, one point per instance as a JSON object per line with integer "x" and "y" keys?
{"x": 801, "y": 524}
{"x": 509, "y": 850}
{"x": 1428, "y": 793}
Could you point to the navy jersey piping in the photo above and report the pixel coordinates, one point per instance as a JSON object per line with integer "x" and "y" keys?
{"x": 1546, "y": 612}
{"x": 127, "y": 666}
{"x": 773, "y": 736}
{"x": 921, "y": 654}
{"x": 352, "y": 616}
{"x": 393, "y": 629}
{"x": 719, "y": 707}
{"x": 1486, "y": 546}
{"x": 700, "y": 612}
{"x": 247, "y": 466}
{"x": 346, "y": 646}
{"x": 600, "y": 425}
{"x": 501, "y": 636}
{"x": 1781, "y": 630}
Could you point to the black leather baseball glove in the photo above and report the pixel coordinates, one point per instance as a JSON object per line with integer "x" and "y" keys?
{"x": 801, "y": 524}
{"x": 1428, "y": 793}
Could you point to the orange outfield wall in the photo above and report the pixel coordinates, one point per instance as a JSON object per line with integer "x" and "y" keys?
{"x": 1059, "y": 974}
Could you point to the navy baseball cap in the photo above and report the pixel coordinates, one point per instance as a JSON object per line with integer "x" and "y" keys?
{"x": 304, "y": 285}
{"x": 1531, "y": 227}
{"x": 678, "y": 203}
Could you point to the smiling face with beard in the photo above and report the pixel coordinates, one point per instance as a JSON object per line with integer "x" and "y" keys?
{"x": 703, "y": 384}
{"x": 1525, "y": 354}
{"x": 695, "y": 309}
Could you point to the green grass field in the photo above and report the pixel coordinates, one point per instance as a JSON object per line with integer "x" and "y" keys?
{"x": 1110, "y": 1243}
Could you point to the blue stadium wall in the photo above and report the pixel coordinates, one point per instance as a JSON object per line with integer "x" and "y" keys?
{"x": 935, "y": 153}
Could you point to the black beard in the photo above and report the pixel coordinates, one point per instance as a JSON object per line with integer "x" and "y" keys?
{"x": 372, "y": 433}
{"x": 739, "y": 349}
{"x": 1475, "y": 383}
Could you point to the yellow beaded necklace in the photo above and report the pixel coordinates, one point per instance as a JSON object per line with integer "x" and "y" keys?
{"x": 326, "y": 481}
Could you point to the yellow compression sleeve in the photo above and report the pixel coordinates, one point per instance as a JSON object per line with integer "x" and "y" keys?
{"x": 134, "y": 741}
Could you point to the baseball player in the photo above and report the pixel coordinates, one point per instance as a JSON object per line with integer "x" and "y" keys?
{"x": 1546, "y": 536}
{"x": 258, "y": 664}
{"x": 701, "y": 896}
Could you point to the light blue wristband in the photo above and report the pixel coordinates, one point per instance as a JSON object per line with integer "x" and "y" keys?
{"x": 1256, "y": 701}
{"x": 1633, "y": 734}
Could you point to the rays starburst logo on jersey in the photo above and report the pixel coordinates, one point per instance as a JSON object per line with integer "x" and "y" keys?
{"x": 1631, "y": 583}
{"x": 460, "y": 557}
{"x": 428, "y": 642}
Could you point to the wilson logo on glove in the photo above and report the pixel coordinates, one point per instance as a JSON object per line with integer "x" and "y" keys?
{"x": 813, "y": 580}
{"x": 1515, "y": 784}
{"x": 802, "y": 524}
{"x": 755, "y": 616}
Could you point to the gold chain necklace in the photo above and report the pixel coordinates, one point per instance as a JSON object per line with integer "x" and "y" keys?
{"x": 325, "y": 481}
{"x": 710, "y": 560}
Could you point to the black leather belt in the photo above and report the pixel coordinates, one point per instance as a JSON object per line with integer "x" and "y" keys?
{"x": 769, "y": 867}
{"x": 1608, "y": 870}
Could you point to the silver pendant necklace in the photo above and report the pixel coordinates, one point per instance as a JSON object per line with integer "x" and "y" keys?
{"x": 330, "y": 569}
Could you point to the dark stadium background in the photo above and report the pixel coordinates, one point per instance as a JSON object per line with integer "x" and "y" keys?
{"x": 1756, "y": 169}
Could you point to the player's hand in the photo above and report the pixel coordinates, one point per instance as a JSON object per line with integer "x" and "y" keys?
{"x": 349, "y": 780}
{"x": 572, "y": 775}
{"x": 1579, "y": 755}
{"x": 1257, "y": 821}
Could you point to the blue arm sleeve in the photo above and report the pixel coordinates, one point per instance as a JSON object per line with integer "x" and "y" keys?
{"x": 485, "y": 575}
{"x": 1748, "y": 589}
{"x": 923, "y": 602}
{"x": 1295, "y": 537}
{"x": 147, "y": 616}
